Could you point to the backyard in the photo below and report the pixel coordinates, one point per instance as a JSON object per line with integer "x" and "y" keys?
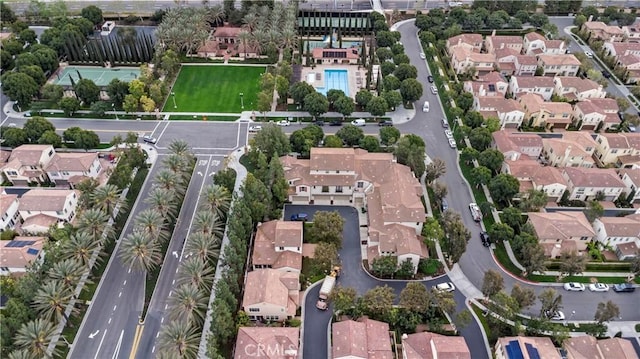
{"x": 215, "y": 89}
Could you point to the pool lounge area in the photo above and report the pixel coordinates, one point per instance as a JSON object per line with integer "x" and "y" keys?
{"x": 323, "y": 78}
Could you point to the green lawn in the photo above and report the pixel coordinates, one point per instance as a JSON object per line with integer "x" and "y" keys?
{"x": 215, "y": 89}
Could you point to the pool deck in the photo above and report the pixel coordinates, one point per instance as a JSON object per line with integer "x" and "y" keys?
{"x": 356, "y": 76}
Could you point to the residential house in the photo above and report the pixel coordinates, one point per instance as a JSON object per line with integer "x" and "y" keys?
{"x": 427, "y": 345}
{"x": 335, "y": 56}
{"x": 627, "y": 251}
{"x": 585, "y": 184}
{"x": 632, "y": 32}
{"x": 267, "y": 343}
{"x": 619, "y": 49}
{"x": 278, "y": 245}
{"x": 559, "y": 65}
{"x": 560, "y": 232}
{"x": 73, "y": 168}
{"x": 586, "y": 346}
{"x": 631, "y": 179}
{"x": 389, "y": 192}
{"x": 615, "y": 231}
{"x": 26, "y": 164}
{"x": 550, "y": 115}
{"x": 535, "y": 44}
{"x": 470, "y": 42}
{"x": 362, "y": 339}
{"x": 464, "y": 60}
{"x": 577, "y": 89}
{"x": 631, "y": 64}
{"x": 541, "y": 85}
{"x": 494, "y": 43}
{"x": 225, "y": 42}
{"x": 19, "y": 253}
{"x": 271, "y": 294}
{"x": 9, "y": 211}
{"x": 616, "y": 148}
{"x": 515, "y": 144}
{"x": 532, "y": 347}
{"x": 491, "y": 84}
{"x": 601, "y": 31}
{"x": 508, "y": 111}
{"x": 42, "y": 208}
{"x": 574, "y": 149}
{"x": 608, "y": 107}
{"x": 588, "y": 116}
{"x": 533, "y": 176}
{"x": 512, "y": 63}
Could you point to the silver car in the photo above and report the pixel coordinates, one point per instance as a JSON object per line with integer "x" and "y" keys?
{"x": 598, "y": 287}
{"x": 574, "y": 287}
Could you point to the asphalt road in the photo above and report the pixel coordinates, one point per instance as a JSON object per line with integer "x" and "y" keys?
{"x": 478, "y": 259}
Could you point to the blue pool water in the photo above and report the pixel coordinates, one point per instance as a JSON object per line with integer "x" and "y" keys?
{"x": 335, "y": 80}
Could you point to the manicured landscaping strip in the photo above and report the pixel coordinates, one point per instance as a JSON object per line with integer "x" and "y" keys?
{"x": 579, "y": 279}
{"x": 483, "y": 320}
{"x": 203, "y": 118}
{"x": 503, "y": 258}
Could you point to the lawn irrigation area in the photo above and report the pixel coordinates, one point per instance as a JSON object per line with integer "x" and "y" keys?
{"x": 221, "y": 89}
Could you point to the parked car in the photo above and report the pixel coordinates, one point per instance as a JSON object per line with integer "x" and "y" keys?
{"x": 359, "y": 122}
{"x": 588, "y": 54}
{"x": 283, "y": 123}
{"x": 430, "y": 79}
{"x": 445, "y": 123}
{"x": 555, "y": 315}
{"x": 422, "y": 55}
{"x": 335, "y": 123}
{"x": 444, "y": 287}
{"x": 606, "y": 74}
{"x": 302, "y": 217}
{"x": 452, "y": 143}
{"x": 149, "y": 139}
{"x": 27, "y": 114}
{"x": 385, "y": 123}
{"x": 255, "y": 128}
{"x": 434, "y": 89}
{"x": 598, "y": 287}
{"x": 484, "y": 237}
{"x": 425, "y": 106}
{"x": 444, "y": 205}
{"x": 624, "y": 288}
{"x": 574, "y": 287}
{"x": 319, "y": 123}
{"x": 448, "y": 133}
{"x": 475, "y": 212}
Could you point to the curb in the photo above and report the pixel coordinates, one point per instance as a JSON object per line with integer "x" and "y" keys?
{"x": 467, "y": 303}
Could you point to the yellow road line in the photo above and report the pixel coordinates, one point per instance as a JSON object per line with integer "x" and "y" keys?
{"x": 136, "y": 341}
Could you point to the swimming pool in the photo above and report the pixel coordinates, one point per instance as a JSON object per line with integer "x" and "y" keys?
{"x": 335, "y": 80}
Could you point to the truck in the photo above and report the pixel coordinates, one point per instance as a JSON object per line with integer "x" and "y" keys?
{"x": 475, "y": 212}
{"x": 327, "y": 286}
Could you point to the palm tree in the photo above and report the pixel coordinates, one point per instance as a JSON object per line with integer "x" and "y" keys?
{"x": 22, "y": 354}
{"x": 215, "y": 14}
{"x": 35, "y": 336}
{"x": 196, "y": 272}
{"x": 203, "y": 247}
{"x": 171, "y": 182}
{"x": 140, "y": 252}
{"x": 180, "y": 148}
{"x": 207, "y": 223}
{"x": 161, "y": 200}
{"x": 86, "y": 188}
{"x": 244, "y": 36}
{"x": 68, "y": 272}
{"x": 188, "y": 303}
{"x": 175, "y": 163}
{"x": 108, "y": 198}
{"x": 81, "y": 247}
{"x": 51, "y": 300}
{"x": 179, "y": 339}
{"x": 250, "y": 21}
{"x": 216, "y": 199}
{"x": 94, "y": 222}
{"x": 152, "y": 223}
{"x": 259, "y": 41}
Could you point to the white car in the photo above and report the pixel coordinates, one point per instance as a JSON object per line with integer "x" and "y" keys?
{"x": 255, "y": 128}
{"x": 448, "y": 133}
{"x": 27, "y": 114}
{"x": 574, "y": 287}
{"x": 475, "y": 212}
{"x": 444, "y": 287}
{"x": 452, "y": 143}
{"x": 283, "y": 123}
{"x": 598, "y": 287}
{"x": 556, "y": 316}
{"x": 588, "y": 54}
{"x": 422, "y": 55}
{"x": 434, "y": 89}
{"x": 149, "y": 139}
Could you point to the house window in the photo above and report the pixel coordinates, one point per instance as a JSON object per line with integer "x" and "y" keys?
{"x": 12, "y": 173}
{"x": 303, "y": 189}
{"x": 325, "y": 189}
{"x": 338, "y": 189}
{"x": 59, "y": 213}
{"x": 360, "y": 184}
{"x": 254, "y": 310}
{"x": 338, "y": 171}
{"x": 281, "y": 248}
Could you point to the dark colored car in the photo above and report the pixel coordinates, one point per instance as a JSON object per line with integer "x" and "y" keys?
{"x": 444, "y": 205}
{"x": 484, "y": 237}
{"x": 319, "y": 123}
{"x": 430, "y": 79}
{"x": 300, "y": 217}
{"x": 606, "y": 74}
{"x": 385, "y": 123}
{"x": 336, "y": 123}
{"x": 624, "y": 288}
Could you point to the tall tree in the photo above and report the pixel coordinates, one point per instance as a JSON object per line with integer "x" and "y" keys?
{"x": 140, "y": 252}
{"x": 524, "y": 296}
{"x": 492, "y": 283}
{"x": 93, "y": 222}
{"x": 435, "y": 169}
{"x": 343, "y": 298}
{"x": 327, "y": 227}
{"x": 87, "y": 91}
{"x": 35, "y": 337}
{"x": 378, "y": 301}
{"x": 572, "y": 263}
{"x": 606, "y": 311}
{"x": 550, "y": 302}
{"x": 415, "y": 297}
{"x": 51, "y": 300}
{"x": 108, "y": 198}
{"x": 188, "y": 303}
{"x": 179, "y": 339}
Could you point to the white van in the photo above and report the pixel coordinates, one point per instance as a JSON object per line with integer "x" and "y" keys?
{"x": 359, "y": 122}
{"x": 425, "y": 107}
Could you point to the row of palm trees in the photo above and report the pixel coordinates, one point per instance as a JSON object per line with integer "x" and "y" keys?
{"x": 266, "y": 27}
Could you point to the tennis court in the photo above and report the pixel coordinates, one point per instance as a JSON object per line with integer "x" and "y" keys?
{"x": 100, "y": 75}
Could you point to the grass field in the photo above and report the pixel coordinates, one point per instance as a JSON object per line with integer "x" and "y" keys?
{"x": 215, "y": 89}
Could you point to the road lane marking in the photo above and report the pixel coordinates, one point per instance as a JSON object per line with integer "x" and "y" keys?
{"x": 164, "y": 129}
{"x": 173, "y": 282}
{"x": 153, "y": 350}
{"x": 157, "y": 335}
{"x": 120, "y": 295}
{"x": 125, "y": 282}
{"x": 109, "y": 321}
{"x": 162, "y": 320}
{"x": 100, "y": 345}
{"x": 114, "y": 307}
{"x": 166, "y": 306}
{"x": 118, "y": 346}
{"x": 129, "y": 271}
{"x": 136, "y": 341}
{"x": 155, "y": 128}
{"x": 177, "y": 269}
{"x": 194, "y": 212}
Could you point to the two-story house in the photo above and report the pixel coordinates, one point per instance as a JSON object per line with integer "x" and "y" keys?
{"x": 577, "y": 89}
{"x": 535, "y": 44}
{"x": 541, "y": 85}
{"x": 267, "y": 343}
{"x": 427, "y": 345}
{"x": 470, "y": 42}
{"x": 362, "y": 339}
{"x": 586, "y": 184}
{"x": 631, "y": 64}
{"x": 574, "y": 149}
{"x": 601, "y": 31}
{"x": 508, "y": 111}
{"x": 611, "y": 148}
{"x": 495, "y": 42}
{"x": 618, "y": 49}
{"x": 513, "y": 145}
{"x": 632, "y": 32}
{"x": 42, "y": 208}
{"x": 631, "y": 179}
{"x": 224, "y": 41}
{"x": 587, "y": 115}
{"x": 271, "y": 294}
{"x": 9, "y": 211}
{"x": 491, "y": 84}
{"x": 73, "y": 168}
{"x": 616, "y": 231}
{"x": 512, "y": 63}
{"x": 609, "y": 107}
{"x": 19, "y": 253}
{"x": 586, "y": 346}
{"x": 550, "y": 115}
{"x": 559, "y": 65}
{"x": 533, "y": 176}
{"x": 278, "y": 245}
{"x": 515, "y": 347}
{"x": 561, "y": 232}
{"x": 27, "y": 163}
{"x": 463, "y": 60}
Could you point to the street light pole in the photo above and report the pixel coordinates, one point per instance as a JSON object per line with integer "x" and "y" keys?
{"x": 242, "y": 100}
{"x": 113, "y": 106}
{"x": 173, "y": 95}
